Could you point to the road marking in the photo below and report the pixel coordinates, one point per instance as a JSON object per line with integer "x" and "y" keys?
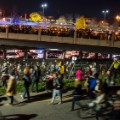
{"x": 64, "y": 99}
{"x": 7, "y": 104}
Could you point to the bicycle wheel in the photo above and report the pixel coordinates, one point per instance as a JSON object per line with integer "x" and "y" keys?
{"x": 84, "y": 113}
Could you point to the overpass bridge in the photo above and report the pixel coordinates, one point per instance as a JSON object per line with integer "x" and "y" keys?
{"x": 21, "y": 40}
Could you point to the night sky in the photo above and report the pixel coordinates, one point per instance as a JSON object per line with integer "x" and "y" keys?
{"x": 88, "y": 8}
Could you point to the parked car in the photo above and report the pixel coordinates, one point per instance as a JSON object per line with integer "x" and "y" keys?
{"x": 12, "y": 55}
{"x": 20, "y": 53}
{"x": 1, "y": 54}
{"x": 33, "y": 55}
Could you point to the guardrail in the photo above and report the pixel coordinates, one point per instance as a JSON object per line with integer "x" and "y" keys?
{"x": 69, "y": 40}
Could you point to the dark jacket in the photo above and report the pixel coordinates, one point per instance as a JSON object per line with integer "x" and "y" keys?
{"x": 35, "y": 76}
{"x": 56, "y": 84}
{"x": 77, "y": 90}
{"x": 27, "y": 80}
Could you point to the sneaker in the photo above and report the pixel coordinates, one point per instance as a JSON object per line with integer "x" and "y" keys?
{"x": 11, "y": 104}
{"x": 51, "y": 103}
{"x": 60, "y": 103}
{"x": 22, "y": 97}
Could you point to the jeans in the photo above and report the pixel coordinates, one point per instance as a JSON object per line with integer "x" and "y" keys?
{"x": 11, "y": 99}
{"x": 58, "y": 93}
{"x": 26, "y": 91}
{"x": 116, "y": 72}
{"x": 35, "y": 84}
{"x": 75, "y": 98}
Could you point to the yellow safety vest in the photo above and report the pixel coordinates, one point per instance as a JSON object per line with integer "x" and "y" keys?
{"x": 116, "y": 64}
{"x": 62, "y": 69}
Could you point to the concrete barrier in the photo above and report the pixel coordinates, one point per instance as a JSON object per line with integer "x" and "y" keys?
{"x": 69, "y": 40}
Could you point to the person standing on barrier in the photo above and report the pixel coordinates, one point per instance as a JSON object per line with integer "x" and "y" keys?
{"x": 115, "y": 69}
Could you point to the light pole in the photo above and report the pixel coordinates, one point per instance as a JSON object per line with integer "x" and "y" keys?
{"x": 118, "y": 19}
{"x": 105, "y": 12}
{"x": 0, "y": 13}
{"x": 44, "y": 6}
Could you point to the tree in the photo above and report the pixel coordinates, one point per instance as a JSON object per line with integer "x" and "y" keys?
{"x": 80, "y": 23}
{"x": 35, "y": 17}
{"x": 61, "y": 20}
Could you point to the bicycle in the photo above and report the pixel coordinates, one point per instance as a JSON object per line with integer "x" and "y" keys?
{"x": 86, "y": 112}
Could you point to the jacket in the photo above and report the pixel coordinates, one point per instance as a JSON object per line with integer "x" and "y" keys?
{"x": 35, "y": 76}
{"x": 92, "y": 83}
{"x": 79, "y": 74}
{"x": 56, "y": 84}
{"x": 62, "y": 69}
{"x": 11, "y": 86}
{"x": 27, "y": 80}
{"x": 77, "y": 90}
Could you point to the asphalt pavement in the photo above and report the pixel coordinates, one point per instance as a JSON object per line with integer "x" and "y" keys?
{"x": 39, "y": 108}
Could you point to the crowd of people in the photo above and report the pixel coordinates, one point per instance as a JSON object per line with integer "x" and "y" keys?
{"x": 97, "y": 78}
{"x": 31, "y": 74}
{"x": 96, "y": 85}
{"x": 64, "y": 32}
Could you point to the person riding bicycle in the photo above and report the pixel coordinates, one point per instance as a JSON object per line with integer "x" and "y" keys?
{"x": 99, "y": 102}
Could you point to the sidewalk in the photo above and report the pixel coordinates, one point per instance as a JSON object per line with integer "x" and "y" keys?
{"x": 38, "y": 108}
{"x": 35, "y": 97}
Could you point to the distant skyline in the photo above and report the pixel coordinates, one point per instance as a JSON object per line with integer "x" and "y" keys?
{"x": 88, "y": 8}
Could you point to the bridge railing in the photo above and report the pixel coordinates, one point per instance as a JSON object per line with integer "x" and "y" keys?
{"x": 75, "y": 37}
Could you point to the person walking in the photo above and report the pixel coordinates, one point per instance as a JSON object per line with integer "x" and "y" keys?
{"x": 35, "y": 78}
{"x": 11, "y": 87}
{"x": 5, "y": 74}
{"x": 49, "y": 82}
{"x": 56, "y": 89}
{"x": 27, "y": 82}
{"x": 76, "y": 94}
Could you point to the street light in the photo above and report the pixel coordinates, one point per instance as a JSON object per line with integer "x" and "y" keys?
{"x": 44, "y": 6}
{"x": 105, "y": 12}
{"x": 118, "y": 19}
{"x": 0, "y": 13}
